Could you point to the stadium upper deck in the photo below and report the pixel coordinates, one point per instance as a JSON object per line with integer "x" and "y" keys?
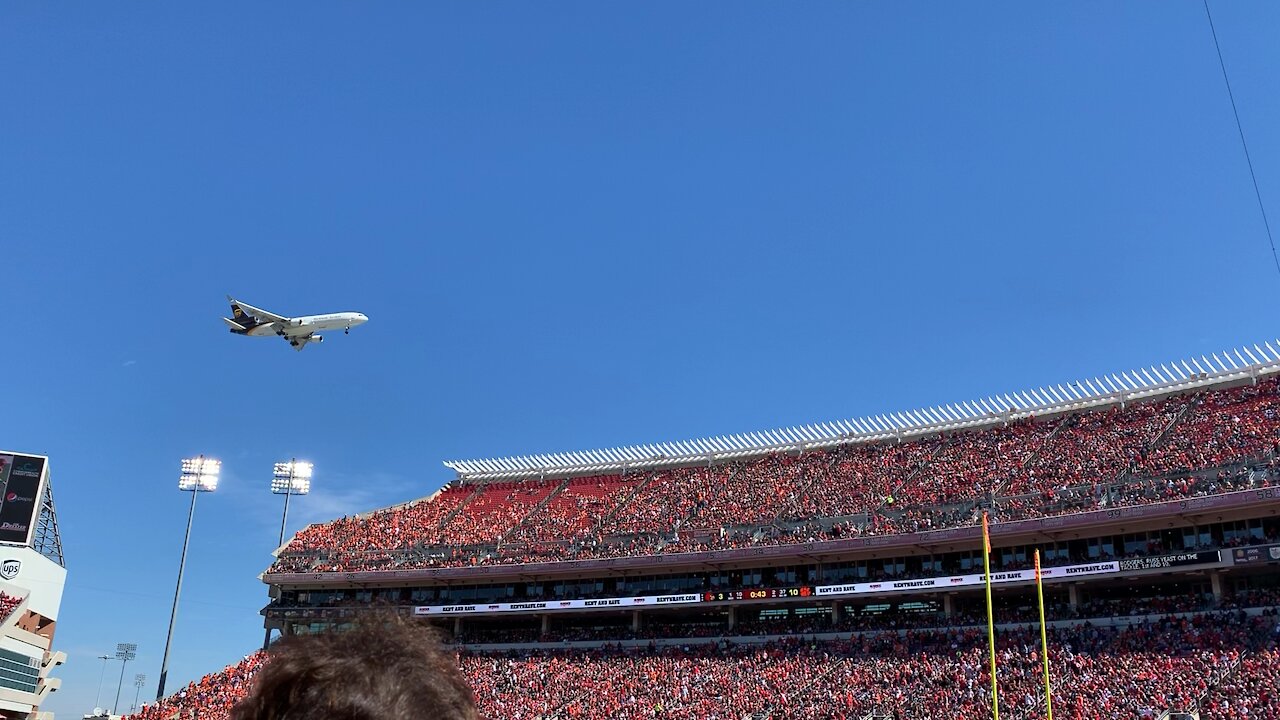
{"x": 1140, "y": 438}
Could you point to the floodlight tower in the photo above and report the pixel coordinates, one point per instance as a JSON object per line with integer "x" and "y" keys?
{"x": 138, "y": 681}
{"x": 101, "y": 676}
{"x": 124, "y": 653}
{"x": 199, "y": 474}
{"x": 289, "y": 479}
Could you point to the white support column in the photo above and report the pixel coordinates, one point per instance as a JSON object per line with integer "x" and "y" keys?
{"x": 457, "y": 626}
{"x": 733, "y": 617}
{"x": 949, "y": 605}
{"x": 1215, "y": 581}
{"x": 1073, "y": 596}
{"x": 546, "y": 624}
{"x": 637, "y": 622}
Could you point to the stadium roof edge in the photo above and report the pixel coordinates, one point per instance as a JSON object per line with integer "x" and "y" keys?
{"x": 1101, "y": 391}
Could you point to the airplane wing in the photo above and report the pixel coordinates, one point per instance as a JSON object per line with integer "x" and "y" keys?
{"x": 262, "y": 316}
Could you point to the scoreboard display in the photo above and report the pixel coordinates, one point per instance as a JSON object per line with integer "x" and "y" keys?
{"x": 803, "y": 591}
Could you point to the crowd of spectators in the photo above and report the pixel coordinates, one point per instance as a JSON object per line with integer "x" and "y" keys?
{"x": 1252, "y": 692}
{"x": 210, "y": 698}
{"x": 1221, "y": 426}
{"x": 1144, "y": 452}
{"x": 1225, "y": 663}
{"x": 570, "y": 513}
{"x": 755, "y": 492}
{"x": 494, "y": 510}
{"x": 388, "y": 529}
{"x": 1096, "y": 447}
{"x": 858, "y": 477}
{"x": 1129, "y": 672}
{"x": 8, "y": 603}
{"x": 974, "y": 464}
{"x": 885, "y": 521}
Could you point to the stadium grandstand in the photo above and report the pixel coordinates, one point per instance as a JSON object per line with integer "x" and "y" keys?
{"x": 835, "y": 571}
{"x": 32, "y": 576}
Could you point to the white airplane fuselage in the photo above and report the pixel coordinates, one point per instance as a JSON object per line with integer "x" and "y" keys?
{"x": 312, "y": 323}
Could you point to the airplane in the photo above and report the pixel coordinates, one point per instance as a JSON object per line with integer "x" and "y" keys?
{"x": 256, "y": 322}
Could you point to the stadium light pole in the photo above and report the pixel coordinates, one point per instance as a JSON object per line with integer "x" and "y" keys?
{"x": 199, "y": 474}
{"x": 124, "y": 653}
{"x": 101, "y": 676}
{"x": 138, "y": 681}
{"x": 289, "y": 479}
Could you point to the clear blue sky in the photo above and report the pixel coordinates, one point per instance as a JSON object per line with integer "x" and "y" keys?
{"x": 574, "y": 226}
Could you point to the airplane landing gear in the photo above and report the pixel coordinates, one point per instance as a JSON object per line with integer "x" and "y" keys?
{"x": 347, "y": 331}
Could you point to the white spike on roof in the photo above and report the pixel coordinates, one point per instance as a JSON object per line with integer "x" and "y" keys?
{"x": 1228, "y": 366}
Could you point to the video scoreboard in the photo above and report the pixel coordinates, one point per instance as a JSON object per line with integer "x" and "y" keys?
{"x": 802, "y": 591}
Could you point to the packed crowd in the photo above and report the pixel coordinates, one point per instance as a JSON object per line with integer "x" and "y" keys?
{"x": 210, "y": 698}
{"x": 1142, "y": 453}
{"x": 1222, "y": 426}
{"x": 1225, "y": 663}
{"x": 8, "y": 603}
{"x": 570, "y": 513}
{"x": 1252, "y": 692}
{"x": 388, "y": 529}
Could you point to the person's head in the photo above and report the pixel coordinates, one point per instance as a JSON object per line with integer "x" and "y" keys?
{"x": 383, "y": 669}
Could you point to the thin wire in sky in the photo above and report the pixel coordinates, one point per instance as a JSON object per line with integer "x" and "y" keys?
{"x": 1258, "y": 193}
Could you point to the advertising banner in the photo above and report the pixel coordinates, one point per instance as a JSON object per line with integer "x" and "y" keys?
{"x": 547, "y": 605}
{"x": 20, "y": 485}
{"x": 1256, "y": 554}
{"x": 1160, "y": 562}
{"x": 942, "y": 583}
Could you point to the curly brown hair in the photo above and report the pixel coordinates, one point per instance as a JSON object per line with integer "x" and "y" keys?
{"x": 383, "y": 669}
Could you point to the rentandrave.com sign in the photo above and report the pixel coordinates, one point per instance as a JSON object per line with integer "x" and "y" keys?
{"x": 545, "y": 605}
{"x": 954, "y": 581}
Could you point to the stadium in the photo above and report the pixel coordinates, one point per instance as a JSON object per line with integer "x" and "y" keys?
{"x": 836, "y": 570}
{"x": 32, "y": 577}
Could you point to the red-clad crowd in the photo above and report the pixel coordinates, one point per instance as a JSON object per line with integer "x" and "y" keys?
{"x": 8, "y": 603}
{"x": 1226, "y": 663}
{"x": 1222, "y": 426}
{"x": 1179, "y": 447}
{"x": 389, "y": 529}
{"x": 1251, "y": 692}
{"x": 570, "y": 513}
{"x": 209, "y": 699}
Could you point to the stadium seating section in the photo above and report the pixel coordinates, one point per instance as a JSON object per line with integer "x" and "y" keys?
{"x": 1145, "y": 452}
{"x": 8, "y": 603}
{"x": 1118, "y": 656}
{"x": 1224, "y": 662}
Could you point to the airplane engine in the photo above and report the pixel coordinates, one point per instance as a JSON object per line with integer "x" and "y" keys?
{"x": 317, "y": 338}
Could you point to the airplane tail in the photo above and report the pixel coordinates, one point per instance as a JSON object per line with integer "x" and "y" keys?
{"x": 241, "y": 320}
{"x": 238, "y": 315}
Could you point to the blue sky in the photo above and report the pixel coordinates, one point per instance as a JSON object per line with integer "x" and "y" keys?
{"x": 575, "y": 225}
